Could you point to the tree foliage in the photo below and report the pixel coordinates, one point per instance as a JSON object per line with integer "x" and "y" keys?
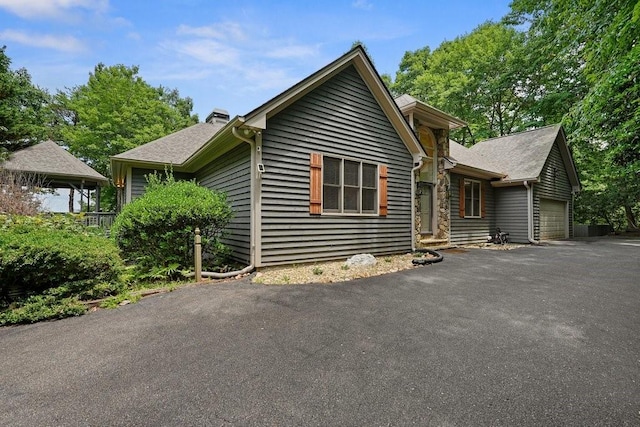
{"x": 115, "y": 111}
{"x": 550, "y": 61}
{"x": 592, "y": 53}
{"x": 24, "y": 108}
{"x": 156, "y": 230}
{"x": 476, "y": 77}
{"x": 44, "y": 253}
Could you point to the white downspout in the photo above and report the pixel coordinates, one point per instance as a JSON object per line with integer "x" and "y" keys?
{"x": 413, "y": 205}
{"x": 253, "y": 193}
{"x": 530, "y": 213}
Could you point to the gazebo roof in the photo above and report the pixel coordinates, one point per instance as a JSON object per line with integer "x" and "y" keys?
{"x": 57, "y": 166}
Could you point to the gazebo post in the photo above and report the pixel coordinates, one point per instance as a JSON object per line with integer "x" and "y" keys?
{"x": 97, "y": 197}
{"x": 71, "y": 197}
{"x": 82, "y": 196}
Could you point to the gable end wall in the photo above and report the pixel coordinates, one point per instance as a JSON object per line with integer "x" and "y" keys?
{"x": 552, "y": 186}
{"x": 340, "y": 118}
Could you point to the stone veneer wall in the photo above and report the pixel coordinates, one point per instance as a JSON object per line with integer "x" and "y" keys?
{"x": 441, "y": 208}
{"x": 442, "y": 186}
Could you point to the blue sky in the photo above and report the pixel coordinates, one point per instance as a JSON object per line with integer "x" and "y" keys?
{"x": 223, "y": 54}
{"x": 228, "y": 54}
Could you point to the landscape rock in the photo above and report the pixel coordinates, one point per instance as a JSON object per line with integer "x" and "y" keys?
{"x": 361, "y": 260}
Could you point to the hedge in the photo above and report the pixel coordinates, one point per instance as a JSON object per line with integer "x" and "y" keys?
{"x": 39, "y": 253}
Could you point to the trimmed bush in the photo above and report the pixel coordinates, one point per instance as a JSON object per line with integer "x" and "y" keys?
{"x": 156, "y": 230}
{"x": 42, "y": 307}
{"x": 56, "y": 253}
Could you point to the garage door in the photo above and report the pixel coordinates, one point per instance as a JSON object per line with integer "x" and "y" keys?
{"x": 553, "y": 219}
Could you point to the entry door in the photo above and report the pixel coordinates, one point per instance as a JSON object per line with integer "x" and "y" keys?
{"x": 426, "y": 209}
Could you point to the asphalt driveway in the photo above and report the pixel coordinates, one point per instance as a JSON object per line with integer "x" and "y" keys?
{"x": 534, "y": 336}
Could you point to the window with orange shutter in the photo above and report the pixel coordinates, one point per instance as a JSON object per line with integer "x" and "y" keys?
{"x": 347, "y": 186}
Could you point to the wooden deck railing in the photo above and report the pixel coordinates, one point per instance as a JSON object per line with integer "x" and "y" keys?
{"x": 99, "y": 219}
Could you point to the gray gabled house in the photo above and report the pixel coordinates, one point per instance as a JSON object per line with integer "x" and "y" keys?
{"x": 322, "y": 171}
{"x": 523, "y": 183}
{"x": 331, "y": 167}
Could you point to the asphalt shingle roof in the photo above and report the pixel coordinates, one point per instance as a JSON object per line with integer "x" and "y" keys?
{"x": 175, "y": 148}
{"x": 467, "y": 157}
{"x": 50, "y": 159}
{"x": 405, "y": 99}
{"x": 521, "y": 155}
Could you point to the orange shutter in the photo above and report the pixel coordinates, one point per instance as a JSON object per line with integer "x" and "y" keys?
{"x": 483, "y": 210}
{"x": 461, "y": 198}
{"x": 315, "y": 184}
{"x": 383, "y": 190}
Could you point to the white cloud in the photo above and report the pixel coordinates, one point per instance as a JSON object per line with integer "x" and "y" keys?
{"x": 120, "y": 21}
{"x": 58, "y": 9}
{"x": 228, "y": 43}
{"x": 362, "y": 4}
{"x": 45, "y": 41}
{"x": 267, "y": 77}
{"x": 207, "y": 52}
{"x": 235, "y": 61}
{"x": 221, "y": 31}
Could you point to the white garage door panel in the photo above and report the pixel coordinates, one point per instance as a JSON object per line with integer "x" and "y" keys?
{"x": 553, "y": 219}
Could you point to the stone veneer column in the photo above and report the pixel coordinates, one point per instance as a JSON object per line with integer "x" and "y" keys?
{"x": 443, "y": 181}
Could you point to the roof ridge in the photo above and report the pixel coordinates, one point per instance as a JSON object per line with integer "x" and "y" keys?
{"x": 517, "y": 133}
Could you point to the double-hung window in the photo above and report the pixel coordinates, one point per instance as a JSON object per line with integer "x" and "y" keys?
{"x": 347, "y": 186}
{"x": 470, "y": 197}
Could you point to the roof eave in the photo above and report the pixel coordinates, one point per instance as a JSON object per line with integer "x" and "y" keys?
{"x": 119, "y": 165}
{"x": 59, "y": 178}
{"x": 462, "y": 169}
{"x": 223, "y": 135}
{"x": 434, "y": 116}
{"x": 514, "y": 182}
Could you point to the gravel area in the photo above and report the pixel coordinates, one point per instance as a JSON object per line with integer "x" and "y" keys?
{"x": 338, "y": 271}
{"x": 331, "y": 271}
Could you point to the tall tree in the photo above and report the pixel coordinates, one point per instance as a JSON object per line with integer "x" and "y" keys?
{"x": 476, "y": 77}
{"x": 116, "y": 110}
{"x": 593, "y": 48}
{"x": 24, "y": 108}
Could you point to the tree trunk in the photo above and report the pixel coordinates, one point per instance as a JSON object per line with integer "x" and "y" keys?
{"x": 632, "y": 224}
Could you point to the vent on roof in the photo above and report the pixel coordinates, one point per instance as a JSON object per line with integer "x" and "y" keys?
{"x": 218, "y": 116}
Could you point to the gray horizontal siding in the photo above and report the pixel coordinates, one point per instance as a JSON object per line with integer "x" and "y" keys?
{"x": 231, "y": 174}
{"x": 340, "y": 118}
{"x": 554, "y": 184}
{"x": 511, "y": 212}
{"x": 139, "y": 179}
{"x": 471, "y": 230}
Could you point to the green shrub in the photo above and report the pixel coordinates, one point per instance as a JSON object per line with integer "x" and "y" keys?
{"x": 156, "y": 230}
{"x": 68, "y": 222}
{"x": 57, "y": 253}
{"x": 41, "y": 307}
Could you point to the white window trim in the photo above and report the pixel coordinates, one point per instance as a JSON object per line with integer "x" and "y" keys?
{"x": 341, "y": 212}
{"x": 479, "y": 213}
